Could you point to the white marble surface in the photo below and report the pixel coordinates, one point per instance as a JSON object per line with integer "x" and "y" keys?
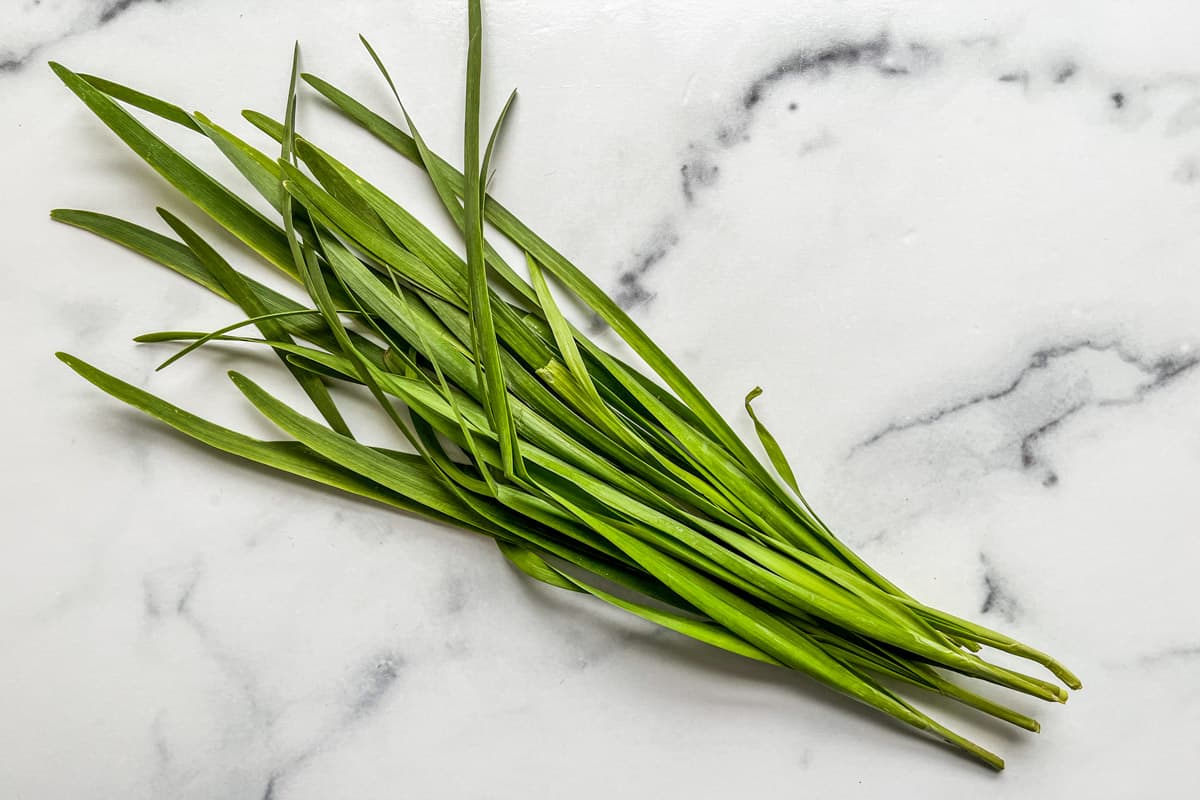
{"x": 957, "y": 243}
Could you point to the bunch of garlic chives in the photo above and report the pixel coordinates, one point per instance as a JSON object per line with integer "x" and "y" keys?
{"x": 589, "y": 475}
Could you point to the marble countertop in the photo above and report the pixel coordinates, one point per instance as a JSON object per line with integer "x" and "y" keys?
{"x": 958, "y": 245}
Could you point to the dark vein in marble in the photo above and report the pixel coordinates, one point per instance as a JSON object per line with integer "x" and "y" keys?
{"x": 117, "y": 8}
{"x": 1065, "y": 71}
{"x": 878, "y": 53}
{"x": 1186, "y": 172}
{"x": 162, "y": 751}
{"x": 631, "y": 290}
{"x": 997, "y": 598}
{"x": 886, "y": 58}
{"x": 160, "y": 595}
{"x": 870, "y": 53}
{"x": 1060, "y": 74}
{"x": 378, "y": 679}
{"x": 1179, "y": 653}
{"x": 232, "y": 666}
{"x": 14, "y": 63}
{"x": 456, "y": 594}
{"x": 181, "y": 605}
{"x": 1162, "y": 371}
{"x": 698, "y": 171}
{"x": 1028, "y": 446}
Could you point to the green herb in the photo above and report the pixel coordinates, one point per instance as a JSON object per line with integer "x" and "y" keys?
{"x": 589, "y": 475}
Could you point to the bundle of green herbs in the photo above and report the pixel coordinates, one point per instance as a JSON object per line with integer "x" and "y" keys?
{"x": 588, "y": 474}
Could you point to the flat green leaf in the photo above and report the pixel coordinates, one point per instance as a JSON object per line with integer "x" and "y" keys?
{"x": 414, "y": 493}
{"x": 242, "y": 294}
{"x": 691, "y": 627}
{"x": 485, "y": 167}
{"x": 163, "y": 249}
{"x": 340, "y": 218}
{"x": 257, "y": 167}
{"x": 233, "y": 213}
{"x": 357, "y": 192}
{"x": 201, "y": 339}
{"x": 160, "y": 108}
{"x": 535, "y": 566}
{"x": 386, "y": 471}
